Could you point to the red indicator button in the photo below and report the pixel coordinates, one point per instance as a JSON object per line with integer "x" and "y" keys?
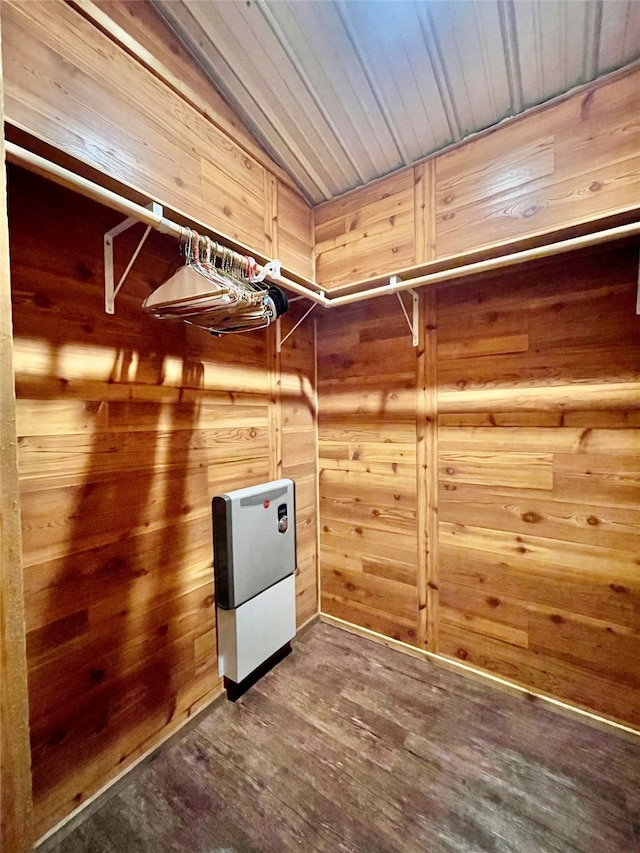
{"x": 266, "y": 504}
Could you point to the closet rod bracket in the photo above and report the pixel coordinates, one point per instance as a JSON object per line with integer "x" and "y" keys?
{"x": 415, "y": 300}
{"x": 111, "y": 290}
{"x": 273, "y": 268}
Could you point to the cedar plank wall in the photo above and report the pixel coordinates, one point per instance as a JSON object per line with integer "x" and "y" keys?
{"x": 538, "y": 396}
{"x": 367, "y": 462}
{"x": 59, "y": 67}
{"x": 563, "y": 165}
{"x": 114, "y": 470}
{"x": 139, "y": 20}
{"x": 193, "y": 172}
{"x": 299, "y": 449}
{"x": 127, "y": 427}
{"x": 539, "y": 499}
{"x": 366, "y": 233}
{"x": 15, "y": 772}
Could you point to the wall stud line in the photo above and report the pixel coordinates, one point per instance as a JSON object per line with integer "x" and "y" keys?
{"x": 16, "y": 800}
{"x": 421, "y": 485}
{"x": 274, "y": 349}
{"x": 317, "y": 462}
{"x": 431, "y": 454}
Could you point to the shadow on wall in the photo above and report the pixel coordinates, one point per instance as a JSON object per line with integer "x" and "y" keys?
{"x": 116, "y": 522}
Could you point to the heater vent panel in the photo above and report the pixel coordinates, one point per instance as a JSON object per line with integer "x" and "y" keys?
{"x": 254, "y": 540}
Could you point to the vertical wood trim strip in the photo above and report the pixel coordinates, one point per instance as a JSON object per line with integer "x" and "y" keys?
{"x": 317, "y": 452}
{"x": 430, "y": 209}
{"x": 431, "y": 454}
{"x": 275, "y": 361}
{"x": 420, "y": 213}
{"x": 421, "y": 473}
{"x": 271, "y": 236}
{"x": 314, "y": 259}
{"x": 15, "y": 791}
{"x": 424, "y": 200}
{"x": 275, "y": 404}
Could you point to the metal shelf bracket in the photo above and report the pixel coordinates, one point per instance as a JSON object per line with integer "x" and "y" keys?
{"x": 280, "y": 341}
{"x": 413, "y": 325}
{"x": 111, "y": 290}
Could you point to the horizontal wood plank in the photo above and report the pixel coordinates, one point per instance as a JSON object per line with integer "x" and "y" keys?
{"x": 522, "y": 470}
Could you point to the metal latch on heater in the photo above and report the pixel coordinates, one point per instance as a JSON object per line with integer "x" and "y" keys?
{"x": 283, "y": 521}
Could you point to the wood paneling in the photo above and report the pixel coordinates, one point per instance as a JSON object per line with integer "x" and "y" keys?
{"x": 117, "y": 593}
{"x": 137, "y": 27}
{"x": 16, "y": 830}
{"x": 237, "y": 199}
{"x": 298, "y": 413}
{"x": 367, "y": 460}
{"x": 425, "y": 211}
{"x": 71, "y": 85}
{"x": 535, "y": 380}
{"x": 569, "y": 163}
{"x": 562, "y": 166}
{"x": 538, "y": 516}
{"x": 427, "y": 474}
{"x": 127, "y": 427}
{"x": 295, "y": 232}
{"x": 366, "y": 233}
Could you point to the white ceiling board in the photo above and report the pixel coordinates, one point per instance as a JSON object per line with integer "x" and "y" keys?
{"x": 322, "y": 47}
{"x": 619, "y": 34}
{"x": 552, "y": 39}
{"x": 392, "y": 49}
{"x": 341, "y": 92}
{"x": 470, "y": 41}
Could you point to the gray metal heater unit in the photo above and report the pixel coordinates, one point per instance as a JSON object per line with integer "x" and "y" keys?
{"x": 254, "y": 536}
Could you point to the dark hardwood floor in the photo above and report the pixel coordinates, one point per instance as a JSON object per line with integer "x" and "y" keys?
{"x": 349, "y": 746}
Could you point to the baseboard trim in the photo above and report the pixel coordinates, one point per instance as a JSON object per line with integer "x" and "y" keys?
{"x": 92, "y": 804}
{"x": 307, "y": 624}
{"x": 565, "y": 708}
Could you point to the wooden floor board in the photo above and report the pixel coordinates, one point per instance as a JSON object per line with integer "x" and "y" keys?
{"x": 350, "y": 746}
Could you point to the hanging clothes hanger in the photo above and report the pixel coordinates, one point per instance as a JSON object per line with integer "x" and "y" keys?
{"x": 216, "y": 290}
{"x": 192, "y": 286}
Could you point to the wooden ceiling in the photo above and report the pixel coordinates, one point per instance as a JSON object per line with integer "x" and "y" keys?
{"x": 341, "y": 92}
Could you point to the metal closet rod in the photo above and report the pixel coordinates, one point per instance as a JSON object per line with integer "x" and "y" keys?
{"x": 489, "y": 264}
{"x": 69, "y": 179}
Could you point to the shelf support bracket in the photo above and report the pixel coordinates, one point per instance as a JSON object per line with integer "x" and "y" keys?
{"x": 110, "y": 289}
{"x": 413, "y": 324}
{"x": 280, "y": 341}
